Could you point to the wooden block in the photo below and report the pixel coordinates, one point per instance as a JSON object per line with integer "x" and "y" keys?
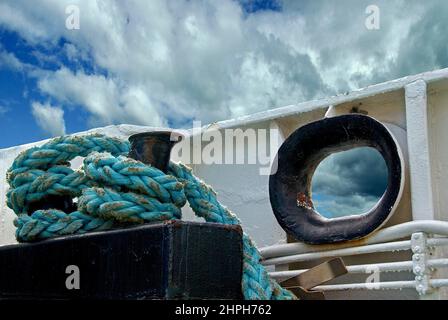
{"x": 170, "y": 260}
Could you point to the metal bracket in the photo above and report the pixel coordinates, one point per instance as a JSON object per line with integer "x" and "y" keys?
{"x": 324, "y": 272}
{"x": 421, "y": 254}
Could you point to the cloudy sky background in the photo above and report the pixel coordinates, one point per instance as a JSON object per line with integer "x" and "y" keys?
{"x": 168, "y": 62}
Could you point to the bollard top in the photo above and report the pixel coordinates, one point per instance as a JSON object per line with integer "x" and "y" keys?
{"x": 163, "y": 135}
{"x": 154, "y": 148}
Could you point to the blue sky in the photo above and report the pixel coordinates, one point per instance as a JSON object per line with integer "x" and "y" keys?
{"x": 18, "y": 90}
{"x": 168, "y": 62}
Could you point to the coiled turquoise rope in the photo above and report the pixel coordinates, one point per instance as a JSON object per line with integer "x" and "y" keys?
{"x": 113, "y": 189}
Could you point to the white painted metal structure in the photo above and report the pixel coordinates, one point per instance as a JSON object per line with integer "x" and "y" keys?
{"x": 409, "y": 252}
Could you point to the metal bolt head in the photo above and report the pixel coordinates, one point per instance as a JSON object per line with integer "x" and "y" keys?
{"x": 417, "y": 257}
{"x": 416, "y": 236}
{"x": 419, "y": 278}
{"x": 417, "y": 249}
{"x": 418, "y": 269}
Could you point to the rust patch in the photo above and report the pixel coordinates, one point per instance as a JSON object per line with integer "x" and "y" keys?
{"x": 233, "y": 227}
{"x": 304, "y": 201}
{"x": 175, "y": 223}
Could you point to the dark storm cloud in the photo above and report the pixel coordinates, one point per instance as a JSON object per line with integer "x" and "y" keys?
{"x": 350, "y": 182}
{"x": 412, "y": 38}
{"x": 361, "y": 170}
{"x": 426, "y": 46}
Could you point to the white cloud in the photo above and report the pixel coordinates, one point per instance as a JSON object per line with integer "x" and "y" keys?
{"x": 340, "y": 206}
{"x": 3, "y": 110}
{"x": 109, "y": 100}
{"x": 34, "y": 22}
{"x": 173, "y": 60}
{"x": 10, "y": 61}
{"x": 49, "y": 118}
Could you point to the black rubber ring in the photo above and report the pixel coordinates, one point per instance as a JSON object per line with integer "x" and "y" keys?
{"x": 298, "y": 158}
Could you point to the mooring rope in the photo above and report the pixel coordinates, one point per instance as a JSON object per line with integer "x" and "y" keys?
{"x": 113, "y": 189}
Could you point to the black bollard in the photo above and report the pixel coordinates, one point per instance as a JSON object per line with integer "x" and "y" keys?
{"x": 154, "y": 148}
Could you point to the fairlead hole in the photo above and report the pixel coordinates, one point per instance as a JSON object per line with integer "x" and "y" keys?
{"x": 349, "y": 182}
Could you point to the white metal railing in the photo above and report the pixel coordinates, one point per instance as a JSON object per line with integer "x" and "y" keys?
{"x": 424, "y": 237}
{"x": 367, "y": 268}
{"x": 396, "y": 232}
{"x": 389, "y": 285}
{"x": 374, "y": 248}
